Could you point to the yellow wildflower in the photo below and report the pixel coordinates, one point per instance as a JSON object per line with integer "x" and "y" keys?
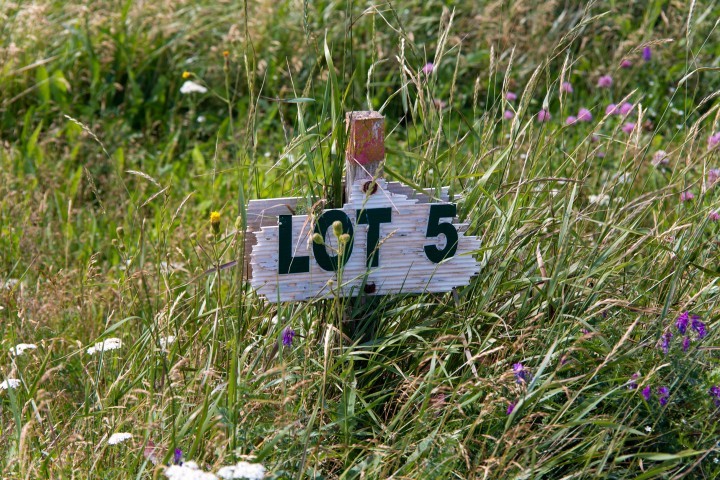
{"x": 215, "y": 222}
{"x": 186, "y": 75}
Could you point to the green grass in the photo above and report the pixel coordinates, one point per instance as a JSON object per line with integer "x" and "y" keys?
{"x": 108, "y": 175}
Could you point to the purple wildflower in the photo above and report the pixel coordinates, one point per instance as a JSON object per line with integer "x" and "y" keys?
{"x": 686, "y": 343}
{"x": 663, "y": 393}
{"x": 699, "y": 327}
{"x": 714, "y": 216}
{"x": 686, "y": 195}
{"x": 605, "y": 81}
{"x": 510, "y": 96}
{"x": 626, "y": 108}
{"x": 646, "y": 393}
{"x": 177, "y": 456}
{"x": 584, "y": 115}
{"x": 521, "y": 373}
{"x": 628, "y": 128}
{"x": 632, "y": 383}
{"x": 715, "y": 393}
{"x": 612, "y": 109}
{"x": 570, "y": 120}
{"x": 665, "y": 342}
{"x": 712, "y": 176}
{"x": 647, "y": 54}
{"x": 566, "y": 87}
{"x": 428, "y": 68}
{"x": 625, "y": 63}
{"x": 543, "y": 116}
{"x": 713, "y": 141}
{"x": 287, "y": 336}
{"x": 508, "y": 115}
{"x": 600, "y": 154}
{"x": 511, "y": 407}
{"x": 595, "y": 139}
{"x": 661, "y": 157}
{"x": 682, "y": 322}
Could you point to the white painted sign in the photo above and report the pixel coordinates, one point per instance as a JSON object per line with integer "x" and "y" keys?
{"x": 395, "y": 241}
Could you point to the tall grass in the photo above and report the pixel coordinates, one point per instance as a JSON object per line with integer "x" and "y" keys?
{"x": 588, "y": 254}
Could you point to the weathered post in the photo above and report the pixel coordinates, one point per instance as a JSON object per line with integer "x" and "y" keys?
{"x": 365, "y": 152}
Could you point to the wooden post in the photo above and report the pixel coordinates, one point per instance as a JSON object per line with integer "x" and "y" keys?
{"x": 365, "y": 152}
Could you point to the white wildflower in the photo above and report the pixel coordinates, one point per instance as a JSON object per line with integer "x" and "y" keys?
{"x": 201, "y": 119}
{"x": 188, "y": 471}
{"x": 648, "y": 429}
{"x": 10, "y": 283}
{"x": 191, "y": 87}
{"x": 10, "y": 383}
{"x": 623, "y": 177}
{"x": 165, "y": 341}
{"x": 119, "y": 437}
{"x": 249, "y": 471}
{"x": 21, "y": 347}
{"x": 105, "y": 345}
{"x": 602, "y": 199}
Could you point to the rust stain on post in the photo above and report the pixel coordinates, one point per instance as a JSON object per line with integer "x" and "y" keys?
{"x": 365, "y": 151}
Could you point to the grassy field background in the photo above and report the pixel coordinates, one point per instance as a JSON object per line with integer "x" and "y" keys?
{"x": 569, "y": 355}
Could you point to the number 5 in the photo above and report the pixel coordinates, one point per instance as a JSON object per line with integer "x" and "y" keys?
{"x": 435, "y": 228}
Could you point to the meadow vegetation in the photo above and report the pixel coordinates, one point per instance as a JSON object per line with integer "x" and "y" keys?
{"x": 580, "y": 140}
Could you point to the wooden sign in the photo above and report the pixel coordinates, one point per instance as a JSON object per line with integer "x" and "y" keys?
{"x": 386, "y": 239}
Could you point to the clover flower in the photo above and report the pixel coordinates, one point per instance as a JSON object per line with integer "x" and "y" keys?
{"x": 663, "y": 393}
{"x": 508, "y": 115}
{"x": 605, "y": 81}
{"x": 584, "y": 115}
{"x": 626, "y": 108}
{"x": 428, "y": 68}
{"x": 571, "y": 119}
{"x": 191, "y": 87}
{"x": 628, "y": 128}
{"x": 646, "y": 393}
{"x": 287, "y": 336}
{"x": 21, "y": 347}
{"x": 10, "y": 383}
{"x": 686, "y": 195}
{"x": 105, "y": 345}
{"x": 249, "y": 471}
{"x": 566, "y": 87}
{"x": 119, "y": 437}
{"x": 661, "y": 157}
{"x": 714, "y": 216}
{"x": 699, "y": 327}
{"x": 713, "y": 141}
{"x": 510, "y": 96}
{"x": 712, "y": 176}
{"x": 682, "y": 322}
{"x": 543, "y": 116}
{"x": 625, "y": 63}
{"x": 612, "y": 109}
